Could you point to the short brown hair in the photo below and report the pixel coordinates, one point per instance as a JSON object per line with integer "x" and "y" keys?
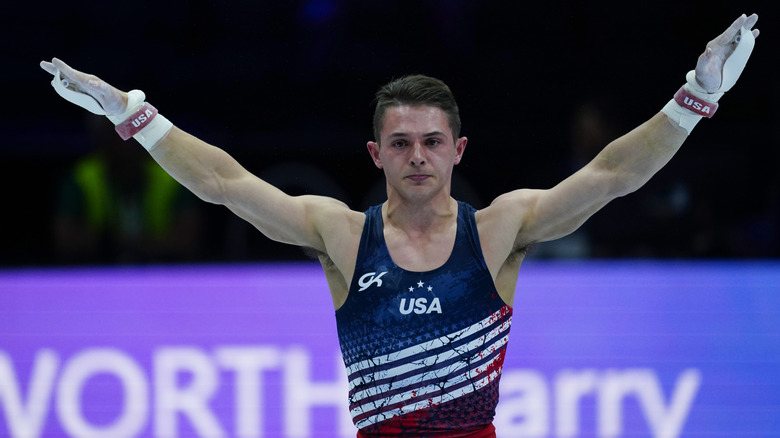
{"x": 416, "y": 90}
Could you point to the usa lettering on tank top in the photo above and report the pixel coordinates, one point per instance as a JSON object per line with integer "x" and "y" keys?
{"x": 423, "y": 350}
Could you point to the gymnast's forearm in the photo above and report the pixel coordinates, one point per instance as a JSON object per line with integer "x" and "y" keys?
{"x": 204, "y": 169}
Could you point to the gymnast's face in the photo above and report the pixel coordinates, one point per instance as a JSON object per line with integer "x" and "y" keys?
{"x": 417, "y": 151}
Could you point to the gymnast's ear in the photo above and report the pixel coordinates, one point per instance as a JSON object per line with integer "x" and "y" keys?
{"x": 460, "y": 148}
{"x": 373, "y": 150}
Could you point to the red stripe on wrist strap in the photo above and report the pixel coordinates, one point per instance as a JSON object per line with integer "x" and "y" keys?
{"x": 702, "y": 107}
{"x": 138, "y": 121}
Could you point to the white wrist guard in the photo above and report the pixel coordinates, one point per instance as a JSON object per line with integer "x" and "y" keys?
{"x": 692, "y": 102}
{"x": 141, "y": 121}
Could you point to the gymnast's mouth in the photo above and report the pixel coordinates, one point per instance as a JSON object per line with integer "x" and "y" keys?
{"x": 418, "y": 177}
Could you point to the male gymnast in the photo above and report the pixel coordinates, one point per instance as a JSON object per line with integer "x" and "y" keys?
{"x": 423, "y": 285}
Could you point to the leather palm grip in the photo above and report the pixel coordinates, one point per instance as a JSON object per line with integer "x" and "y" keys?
{"x": 76, "y": 97}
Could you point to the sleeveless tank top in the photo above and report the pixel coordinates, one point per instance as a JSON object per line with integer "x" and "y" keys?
{"x": 423, "y": 350}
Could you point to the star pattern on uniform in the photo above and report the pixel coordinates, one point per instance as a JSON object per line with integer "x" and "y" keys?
{"x": 420, "y": 285}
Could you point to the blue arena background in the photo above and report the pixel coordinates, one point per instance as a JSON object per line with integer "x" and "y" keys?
{"x": 597, "y": 349}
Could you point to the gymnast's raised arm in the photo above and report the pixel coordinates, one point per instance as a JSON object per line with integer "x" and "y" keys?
{"x": 627, "y": 163}
{"x": 209, "y": 172}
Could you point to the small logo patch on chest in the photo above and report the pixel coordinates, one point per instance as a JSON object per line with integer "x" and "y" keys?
{"x": 370, "y": 278}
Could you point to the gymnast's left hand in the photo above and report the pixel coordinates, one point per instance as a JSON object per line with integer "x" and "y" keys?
{"x": 709, "y": 68}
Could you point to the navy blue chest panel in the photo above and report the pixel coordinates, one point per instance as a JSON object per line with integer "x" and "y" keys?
{"x": 431, "y": 336}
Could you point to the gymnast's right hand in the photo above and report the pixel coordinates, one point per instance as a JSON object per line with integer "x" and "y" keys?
{"x": 87, "y": 91}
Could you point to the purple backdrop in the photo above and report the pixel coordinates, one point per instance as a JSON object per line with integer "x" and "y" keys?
{"x": 602, "y": 349}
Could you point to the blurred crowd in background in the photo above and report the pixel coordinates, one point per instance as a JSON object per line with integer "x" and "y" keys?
{"x": 286, "y": 88}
